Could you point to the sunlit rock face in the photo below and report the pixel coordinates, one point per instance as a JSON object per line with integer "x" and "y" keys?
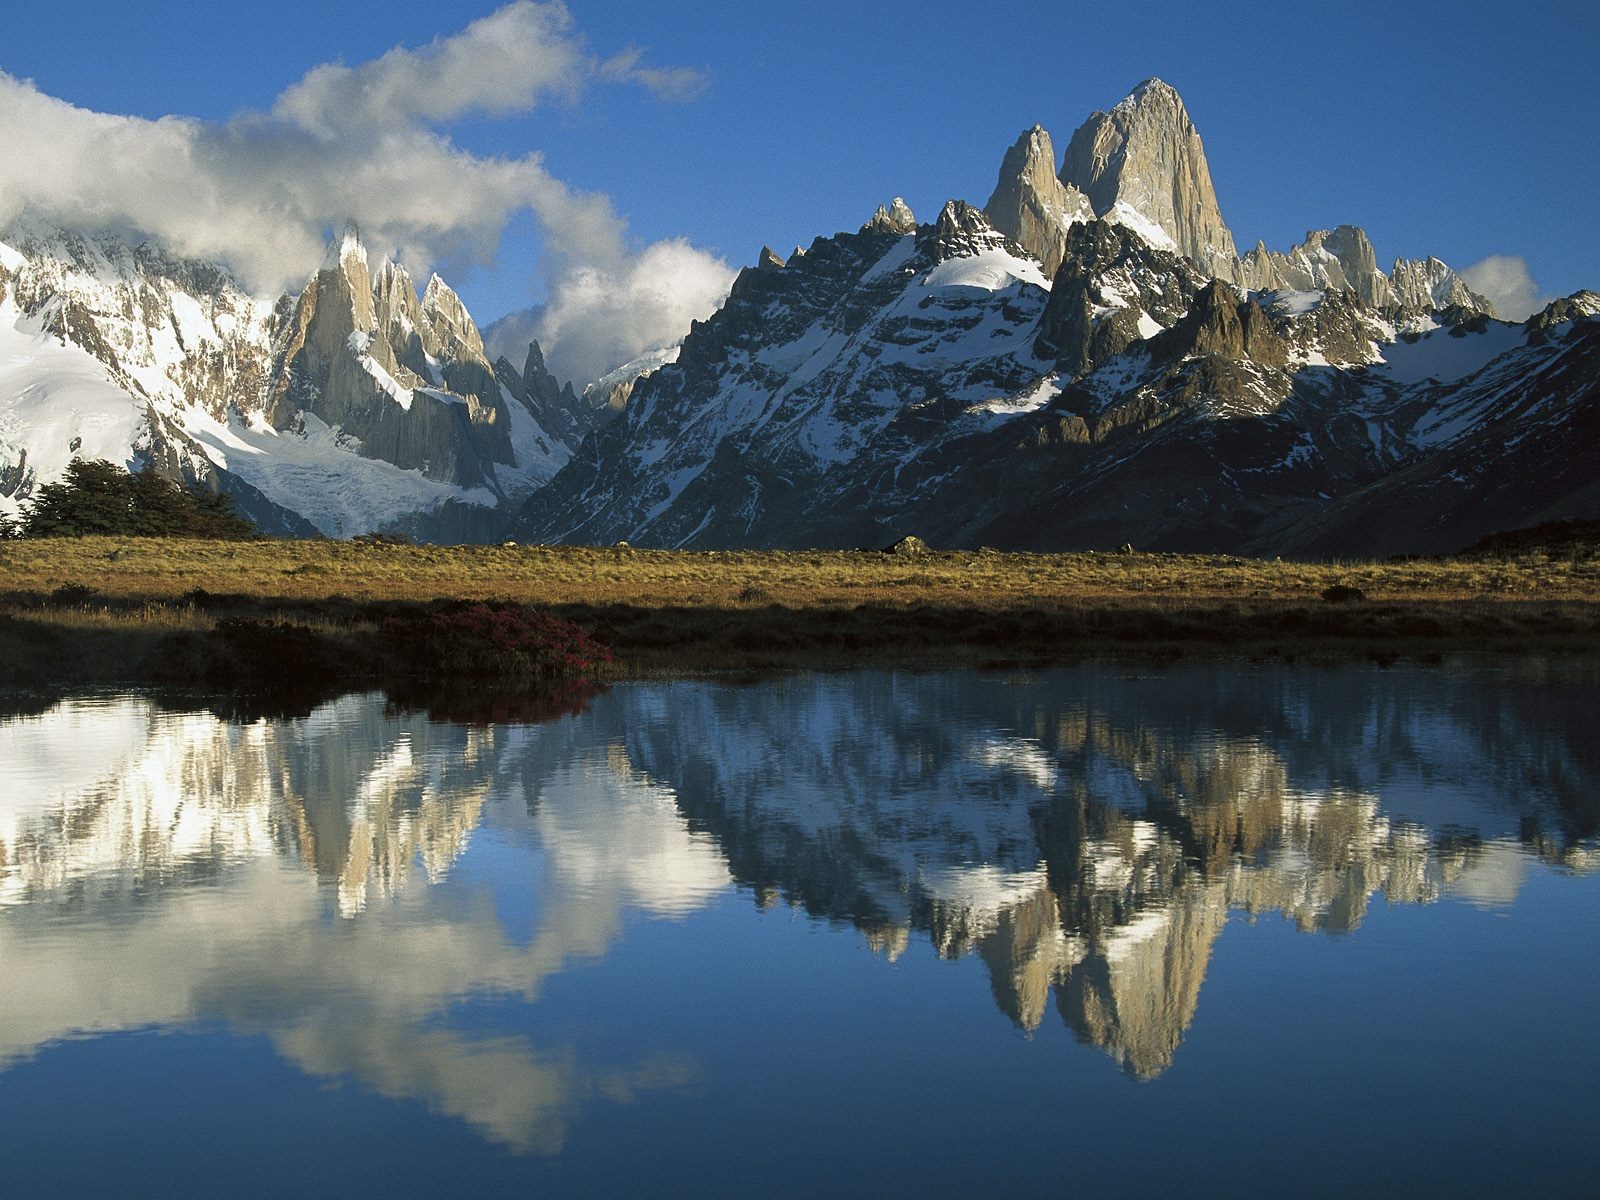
{"x": 1143, "y": 162}
{"x": 355, "y": 405}
{"x": 1031, "y": 206}
{"x": 329, "y": 881}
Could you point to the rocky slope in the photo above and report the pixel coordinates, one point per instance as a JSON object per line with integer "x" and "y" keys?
{"x": 1083, "y": 363}
{"x": 1036, "y": 376}
{"x": 1143, "y": 162}
{"x": 357, "y": 405}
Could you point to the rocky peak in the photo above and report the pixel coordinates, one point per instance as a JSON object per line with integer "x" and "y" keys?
{"x": 533, "y": 366}
{"x": 346, "y": 251}
{"x": 1580, "y": 306}
{"x": 395, "y": 304}
{"x": 1351, "y": 246}
{"x": 962, "y": 230}
{"x": 1110, "y": 285}
{"x": 897, "y": 218}
{"x": 1030, "y": 205}
{"x": 1219, "y": 324}
{"x": 1428, "y": 284}
{"x": 1338, "y": 260}
{"x": 1145, "y": 156}
{"x": 452, "y": 324}
{"x": 769, "y": 260}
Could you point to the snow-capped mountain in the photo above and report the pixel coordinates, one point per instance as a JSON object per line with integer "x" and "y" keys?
{"x": 357, "y": 405}
{"x": 1086, "y": 362}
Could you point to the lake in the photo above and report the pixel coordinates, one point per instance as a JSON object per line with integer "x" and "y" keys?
{"x": 1220, "y": 930}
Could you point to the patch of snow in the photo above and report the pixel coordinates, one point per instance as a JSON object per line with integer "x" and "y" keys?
{"x": 319, "y": 474}
{"x": 11, "y": 260}
{"x": 897, "y": 256}
{"x": 1295, "y": 304}
{"x": 1444, "y": 358}
{"x": 52, "y": 395}
{"x": 988, "y": 271}
{"x": 1123, "y": 213}
{"x": 1046, "y": 390}
{"x": 1149, "y": 326}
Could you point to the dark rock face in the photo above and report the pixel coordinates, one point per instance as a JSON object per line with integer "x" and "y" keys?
{"x": 1108, "y": 275}
{"x": 849, "y": 396}
{"x": 1219, "y": 324}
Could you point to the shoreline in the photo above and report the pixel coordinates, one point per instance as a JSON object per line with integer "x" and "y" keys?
{"x": 107, "y": 612}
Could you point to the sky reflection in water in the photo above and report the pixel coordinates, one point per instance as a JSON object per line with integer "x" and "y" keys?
{"x": 1109, "y": 930}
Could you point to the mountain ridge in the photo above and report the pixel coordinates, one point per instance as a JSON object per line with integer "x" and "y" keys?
{"x": 1085, "y": 361}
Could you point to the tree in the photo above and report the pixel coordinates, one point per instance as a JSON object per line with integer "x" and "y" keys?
{"x": 98, "y": 497}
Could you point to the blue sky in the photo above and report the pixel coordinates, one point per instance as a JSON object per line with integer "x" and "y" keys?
{"x": 1463, "y": 130}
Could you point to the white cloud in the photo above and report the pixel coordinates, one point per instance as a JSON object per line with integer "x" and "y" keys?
{"x": 1504, "y": 281}
{"x": 601, "y": 316}
{"x": 366, "y": 143}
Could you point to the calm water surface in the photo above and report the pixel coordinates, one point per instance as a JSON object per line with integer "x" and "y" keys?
{"x": 1093, "y": 932}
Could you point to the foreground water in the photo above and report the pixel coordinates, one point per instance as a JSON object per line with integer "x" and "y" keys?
{"x": 1224, "y": 930}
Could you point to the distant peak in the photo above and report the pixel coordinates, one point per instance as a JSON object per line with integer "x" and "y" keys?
{"x": 896, "y": 218}
{"x": 345, "y": 248}
{"x": 1155, "y": 89}
{"x": 438, "y": 292}
{"x": 1033, "y": 144}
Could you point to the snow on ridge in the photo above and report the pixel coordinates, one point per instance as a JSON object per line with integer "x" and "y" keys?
{"x": 12, "y": 259}
{"x": 57, "y": 403}
{"x": 398, "y": 392}
{"x": 897, "y": 256}
{"x": 988, "y": 271}
{"x": 1123, "y": 213}
{"x": 1444, "y": 357}
{"x": 635, "y": 368}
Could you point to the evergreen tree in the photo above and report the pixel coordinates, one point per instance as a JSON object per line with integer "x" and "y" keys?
{"x": 98, "y": 497}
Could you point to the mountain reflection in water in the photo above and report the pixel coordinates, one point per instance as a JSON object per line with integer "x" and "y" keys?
{"x": 1084, "y": 832}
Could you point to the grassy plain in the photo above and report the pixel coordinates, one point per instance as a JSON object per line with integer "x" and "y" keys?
{"x": 109, "y": 609}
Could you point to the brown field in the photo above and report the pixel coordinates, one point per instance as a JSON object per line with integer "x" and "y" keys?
{"x": 125, "y": 610}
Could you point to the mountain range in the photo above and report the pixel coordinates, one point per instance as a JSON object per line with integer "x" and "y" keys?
{"x": 1086, "y": 361}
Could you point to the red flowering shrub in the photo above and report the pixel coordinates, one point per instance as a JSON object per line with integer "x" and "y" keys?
{"x": 496, "y": 641}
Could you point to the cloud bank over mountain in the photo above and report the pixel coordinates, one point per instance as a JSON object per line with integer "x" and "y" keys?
{"x": 369, "y": 143}
{"x": 1504, "y": 280}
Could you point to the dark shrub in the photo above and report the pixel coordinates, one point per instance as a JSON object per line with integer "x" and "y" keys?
{"x": 272, "y": 652}
{"x": 74, "y": 595}
{"x": 1342, "y": 593}
{"x": 495, "y": 642}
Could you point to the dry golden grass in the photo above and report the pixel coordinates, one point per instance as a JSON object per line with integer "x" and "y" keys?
{"x": 102, "y": 610}
{"x": 161, "y": 569}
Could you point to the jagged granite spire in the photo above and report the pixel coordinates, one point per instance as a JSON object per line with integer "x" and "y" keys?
{"x": 897, "y": 218}
{"x": 1427, "y": 283}
{"x": 1030, "y": 205}
{"x": 1144, "y": 159}
{"x": 1341, "y": 260}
